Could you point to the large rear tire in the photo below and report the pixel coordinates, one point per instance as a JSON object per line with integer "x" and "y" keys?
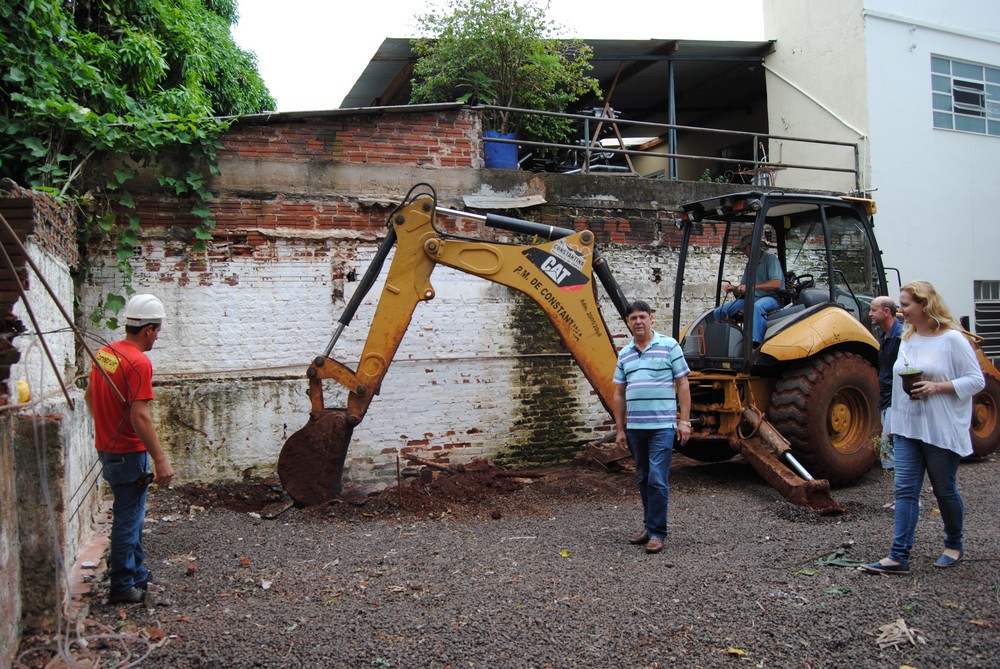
{"x": 985, "y": 428}
{"x": 828, "y": 410}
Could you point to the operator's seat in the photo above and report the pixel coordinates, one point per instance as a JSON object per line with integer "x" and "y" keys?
{"x": 709, "y": 344}
{"x": 810, "y": 297}
{"x": 784, "y": 298}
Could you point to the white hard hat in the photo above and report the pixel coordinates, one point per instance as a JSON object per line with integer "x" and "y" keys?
{"x": 143, "y": 309}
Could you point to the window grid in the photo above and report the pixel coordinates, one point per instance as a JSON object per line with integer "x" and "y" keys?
{"x": 987, "y": 310}
{"x": 987, "y": 290}
{"x": 965, "y": 96}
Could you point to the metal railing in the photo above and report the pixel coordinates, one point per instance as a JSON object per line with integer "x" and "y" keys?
{"x": 759, "y": 165}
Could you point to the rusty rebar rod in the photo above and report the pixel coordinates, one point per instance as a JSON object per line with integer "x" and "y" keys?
{"x": 55, "y": 299}
{"x": 34, "y": 322}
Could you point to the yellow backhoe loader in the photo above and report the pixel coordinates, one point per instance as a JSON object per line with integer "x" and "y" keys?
{"x": 811, "y": 383}
{"x": 814, "y": 375}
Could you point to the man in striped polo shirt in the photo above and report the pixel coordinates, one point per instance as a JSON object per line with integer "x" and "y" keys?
{"x": 652, "y": 403}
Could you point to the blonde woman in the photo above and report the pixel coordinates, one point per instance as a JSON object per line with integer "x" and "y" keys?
{"x": 930, "y": 427}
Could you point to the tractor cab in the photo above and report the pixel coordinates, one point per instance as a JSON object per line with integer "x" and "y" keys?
{"x": 830, "y": 270}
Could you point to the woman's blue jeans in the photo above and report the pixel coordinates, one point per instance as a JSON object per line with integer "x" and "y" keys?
{"x": 652, "y": 451}
{"x": 912, "y": 458}
{"x": 122, "y": 472}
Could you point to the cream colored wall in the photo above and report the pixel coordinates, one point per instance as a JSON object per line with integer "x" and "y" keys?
{"x": 816, "y": 88}
{"x": 863, "y": 67}
{"x": 936, "y": 188}
{"x": 704, "y": 144}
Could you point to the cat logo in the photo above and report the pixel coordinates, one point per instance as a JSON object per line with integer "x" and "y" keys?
{"x": 554, "y": 269}
{"x": 563, "y": 275}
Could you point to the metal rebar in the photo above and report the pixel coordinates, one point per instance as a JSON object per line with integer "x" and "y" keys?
{"x": 34, "y": 322}
{"x": 55, "y": 299}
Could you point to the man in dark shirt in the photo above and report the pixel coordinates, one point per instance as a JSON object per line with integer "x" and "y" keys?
{"x": 883, "y": 315}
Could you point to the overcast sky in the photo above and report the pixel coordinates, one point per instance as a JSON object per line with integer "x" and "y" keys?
{"x": 310, "y": 52}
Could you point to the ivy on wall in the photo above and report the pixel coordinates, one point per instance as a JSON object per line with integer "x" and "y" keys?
{"x": 93, "y": 90}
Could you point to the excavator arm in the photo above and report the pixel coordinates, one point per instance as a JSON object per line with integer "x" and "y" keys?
{"x": 558, "y": 275}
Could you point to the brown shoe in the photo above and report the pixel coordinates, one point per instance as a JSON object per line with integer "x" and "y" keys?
{"x": 655, "y": 545}
{"x": 639, "y": 538}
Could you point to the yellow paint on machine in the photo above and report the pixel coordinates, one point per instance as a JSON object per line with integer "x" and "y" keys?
{"x": 830, "y": 327}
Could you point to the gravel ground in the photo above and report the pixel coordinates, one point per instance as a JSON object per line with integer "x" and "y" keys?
{"x": 542, "y": 576}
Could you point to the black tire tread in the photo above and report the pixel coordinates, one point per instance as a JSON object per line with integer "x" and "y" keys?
{"x": 987, "y": 444}
{"x": 791, "y": 411}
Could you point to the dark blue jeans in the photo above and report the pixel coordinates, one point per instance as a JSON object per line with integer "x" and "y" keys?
{"x": 761, "y": 306}
{"x": 122, "y": 471}
{"x": 914, "y": 457}
{"x": 652, "y": 451}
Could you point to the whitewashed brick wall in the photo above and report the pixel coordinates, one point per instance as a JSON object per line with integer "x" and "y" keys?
{"x": 33, "y": 365}
{"x": 59, "y": 475}
{"x": 79, "y": 463}
{"x": 238, "y": 337}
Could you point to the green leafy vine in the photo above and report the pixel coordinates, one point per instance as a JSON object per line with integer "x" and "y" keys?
{"x": 92, "y": 91}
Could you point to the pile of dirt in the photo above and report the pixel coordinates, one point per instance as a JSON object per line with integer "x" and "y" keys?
{"x": 432, "y": 491}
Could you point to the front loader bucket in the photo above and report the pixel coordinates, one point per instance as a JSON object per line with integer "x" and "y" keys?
{"x": 311, "y": 462}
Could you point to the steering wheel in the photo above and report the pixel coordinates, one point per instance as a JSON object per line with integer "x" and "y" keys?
{"x": 803, "y": 281}
{"x": 795, "y": 284}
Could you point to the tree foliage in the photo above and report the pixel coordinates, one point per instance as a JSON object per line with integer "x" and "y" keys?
{"x": 501, "y": 52}
{"x": 88, "y": 81}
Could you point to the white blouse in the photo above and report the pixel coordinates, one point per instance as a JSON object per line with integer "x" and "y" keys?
{"x": 942, "y": 420}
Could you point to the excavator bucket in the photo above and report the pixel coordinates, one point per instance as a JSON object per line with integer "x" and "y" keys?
{"x": 814, "y": 494}
{"x": 311, "y": 462}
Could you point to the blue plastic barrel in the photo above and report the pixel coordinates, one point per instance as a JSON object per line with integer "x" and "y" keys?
{"x": 499, "y": 156}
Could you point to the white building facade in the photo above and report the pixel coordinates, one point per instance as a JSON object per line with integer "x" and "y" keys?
{"x": 917, "y": 84}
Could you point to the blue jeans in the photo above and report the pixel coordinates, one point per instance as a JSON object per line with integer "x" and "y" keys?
{"x": 122, "y": 471}
{"x": 885, "y": 443}
{"x": 761, "y": 306}
{"x": 652, "y": 451}
{"x": 913, "y": 457}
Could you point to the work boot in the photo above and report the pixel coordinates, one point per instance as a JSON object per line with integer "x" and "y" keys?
{"x": 131, "y": 595}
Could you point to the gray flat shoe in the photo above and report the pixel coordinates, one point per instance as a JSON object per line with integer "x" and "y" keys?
{"x": 944, "y": 561}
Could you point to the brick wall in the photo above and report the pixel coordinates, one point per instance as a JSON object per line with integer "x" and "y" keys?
{"x": 48, "y": 429}
{"x": 301, "y": 208}
{"x": 47, "y": 231}
{"x": 10, "y": 549}
{"x": 18, "y": 212}
{"x": 420, "y": 138}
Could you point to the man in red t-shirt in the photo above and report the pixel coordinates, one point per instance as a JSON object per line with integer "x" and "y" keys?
{"x": 126, "y": 441}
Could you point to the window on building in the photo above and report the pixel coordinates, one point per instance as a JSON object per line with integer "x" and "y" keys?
{"x": 966, "y": 96}
{"x": 987, "y": 306}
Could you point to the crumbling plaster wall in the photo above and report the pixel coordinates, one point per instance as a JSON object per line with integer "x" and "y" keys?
{"x": 10, "y": 549}
{"x": 48, "y": 474}
{"x": 301, "y": 208}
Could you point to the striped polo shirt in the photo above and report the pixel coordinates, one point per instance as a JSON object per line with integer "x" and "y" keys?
{"x": 648, "y": 377}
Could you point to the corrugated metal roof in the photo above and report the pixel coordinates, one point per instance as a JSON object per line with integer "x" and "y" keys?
{"x": 711, "y": 78}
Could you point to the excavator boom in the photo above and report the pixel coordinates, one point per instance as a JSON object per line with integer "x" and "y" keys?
{"x": 556, "y": 274}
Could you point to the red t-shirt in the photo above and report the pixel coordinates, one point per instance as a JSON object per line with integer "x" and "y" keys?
{"x": 132, "y": 372}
